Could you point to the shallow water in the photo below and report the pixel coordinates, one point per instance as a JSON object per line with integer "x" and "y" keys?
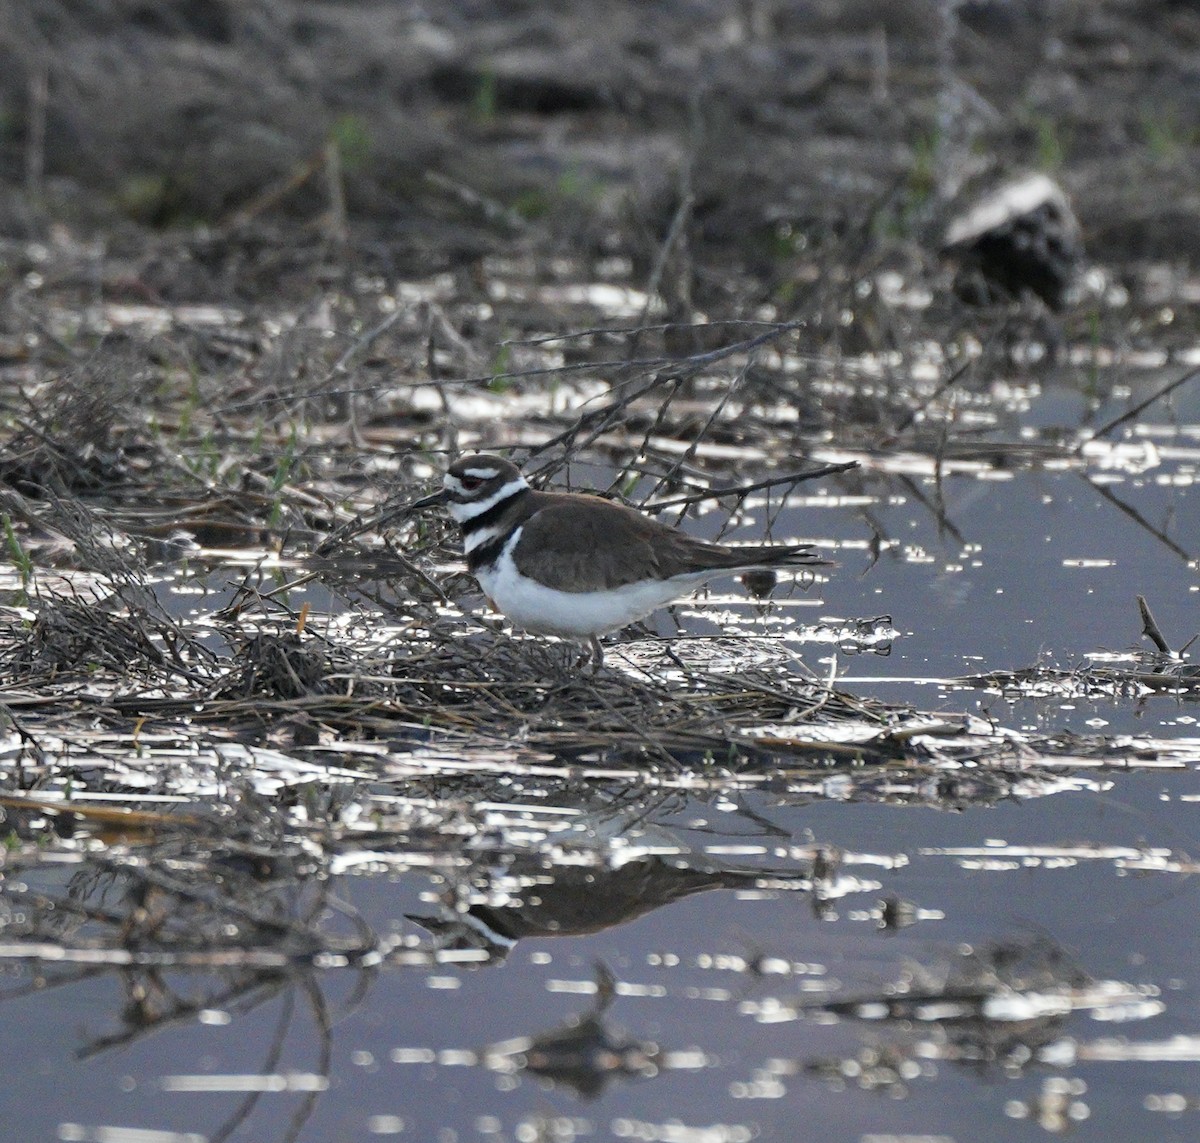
{"x": 720, "y": 992}
{"x": 931, "y": 951}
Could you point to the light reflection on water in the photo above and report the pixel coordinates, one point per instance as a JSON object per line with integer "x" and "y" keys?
{"x": 885, "y": 951}
{"x": 953, "y": 968}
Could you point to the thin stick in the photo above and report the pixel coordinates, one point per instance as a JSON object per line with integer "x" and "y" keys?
{"x": 675, "y": 231}
{"x": 1138, "y": 408}
{"x": 337, "y": 227}
{"x": 35, "y": 144}
{"x": 1151, "y": 629}
{"x": 939, "y": 392}
{"x": 1136, "y": 517}
{"x": 746, "y": 489}
{"x": 362, "y": 343}
{"x": 274, "y": 192}
{"x": 703, "y": 431}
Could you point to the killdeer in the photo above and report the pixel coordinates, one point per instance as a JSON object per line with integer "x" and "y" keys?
{"x": 576, "y": 565}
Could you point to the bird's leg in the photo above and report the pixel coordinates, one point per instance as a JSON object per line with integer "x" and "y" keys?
{"x": 597, "y": 655}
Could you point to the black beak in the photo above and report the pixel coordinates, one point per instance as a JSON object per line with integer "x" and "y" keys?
{"x": 439, "y": 497}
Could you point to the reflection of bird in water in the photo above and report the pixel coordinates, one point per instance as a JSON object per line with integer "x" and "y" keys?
{"x": 573, "y": 900}
{"x": 585, "y": 1054}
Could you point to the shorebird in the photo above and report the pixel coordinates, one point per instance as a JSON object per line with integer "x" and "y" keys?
{"x": 576, "y": 565}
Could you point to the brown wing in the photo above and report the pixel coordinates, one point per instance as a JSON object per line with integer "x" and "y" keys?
{"x": 610, "y": 545}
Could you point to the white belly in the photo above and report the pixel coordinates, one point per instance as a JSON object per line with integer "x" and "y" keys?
{"x": 572, "y": 614}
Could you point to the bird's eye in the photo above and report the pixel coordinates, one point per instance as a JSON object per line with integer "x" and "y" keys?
{"x": 470, "y": 483}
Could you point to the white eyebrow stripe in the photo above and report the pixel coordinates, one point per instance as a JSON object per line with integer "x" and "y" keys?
{"x": 482, "y": 473}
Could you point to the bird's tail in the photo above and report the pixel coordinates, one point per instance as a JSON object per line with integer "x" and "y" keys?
{"x": 775, "y": 556}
